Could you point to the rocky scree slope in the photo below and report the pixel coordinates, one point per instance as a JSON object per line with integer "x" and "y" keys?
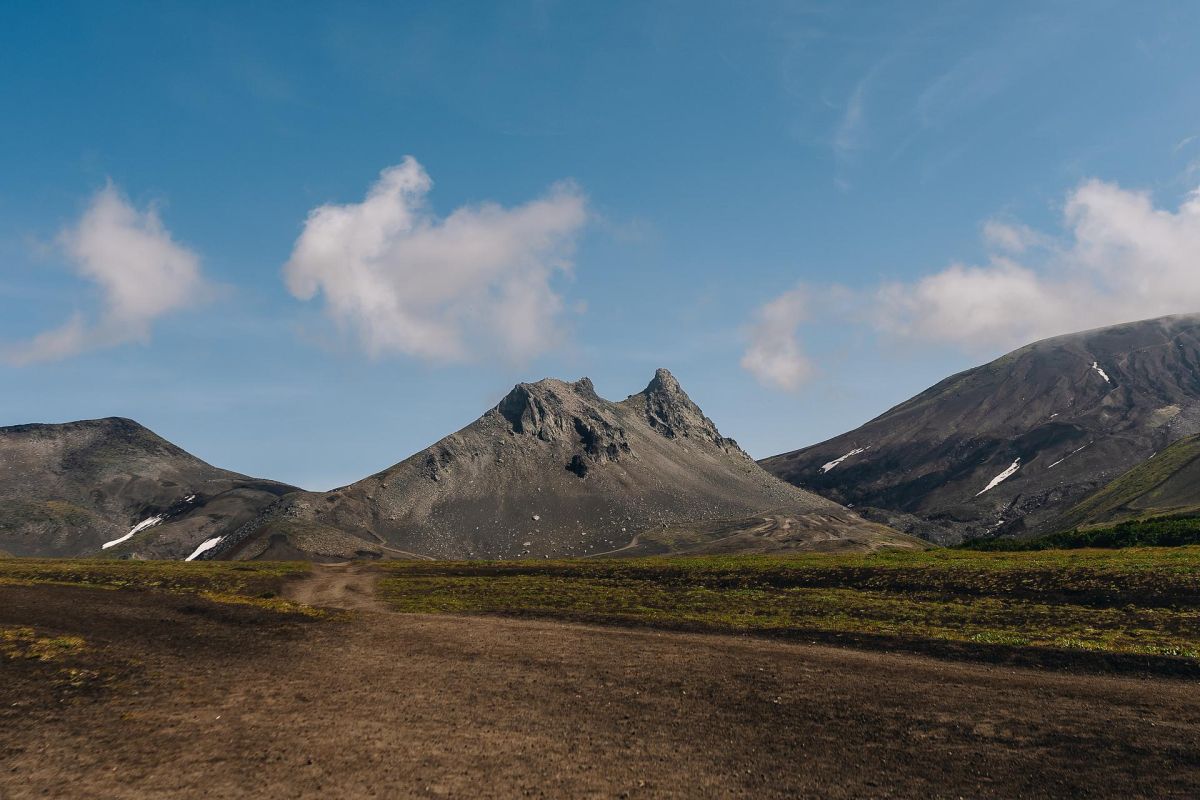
{"x": 70, "y": 489}
{"x": 1008, "y": 447}
{"x": 552, "y": 470}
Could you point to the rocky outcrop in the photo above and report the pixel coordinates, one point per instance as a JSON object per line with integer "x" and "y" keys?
{"x": 670, "y": 412}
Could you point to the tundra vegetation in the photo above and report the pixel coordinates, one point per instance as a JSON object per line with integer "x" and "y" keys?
{"x": 249, "y": 583}
{"x": 1138, "y": 607}
{"x": 1136, "y": 604}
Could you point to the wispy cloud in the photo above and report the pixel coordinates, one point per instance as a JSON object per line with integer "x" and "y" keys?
{"x": 848, "y": 138}
{"x": 142, "y": 273}
{"x": 476, "y": 283}
{"x": 1014, "y": 52}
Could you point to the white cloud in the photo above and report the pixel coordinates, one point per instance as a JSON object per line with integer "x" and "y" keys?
{"x": 475, "y": 283}
{"x": 774, "y": 355}
{"x": 142, "y": 273}
{"x": 1118, "y": 259}
{"x": 1002, "y": 303}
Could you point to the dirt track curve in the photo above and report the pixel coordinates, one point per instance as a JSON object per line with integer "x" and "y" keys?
{"x": 348, "y": 585}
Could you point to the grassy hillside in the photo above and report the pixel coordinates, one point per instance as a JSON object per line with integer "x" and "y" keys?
{"x": 1160, "y": 485}
{"x": 1136, "y": 603}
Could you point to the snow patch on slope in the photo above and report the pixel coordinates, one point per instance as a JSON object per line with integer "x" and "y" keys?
{"x": 205, "y": 546}
{"x": 831, "y": 464}
{"x": 141, "y": 526}
{"x": 1100, "y": 371}
{"x": 1002, "y": 477}
{"x": 1068, "y": 455}
{"x": 149, "y": 522}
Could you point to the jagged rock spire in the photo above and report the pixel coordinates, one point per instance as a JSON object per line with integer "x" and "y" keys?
{"x": 672, "y": 413}
{"x": 664, "y": 382}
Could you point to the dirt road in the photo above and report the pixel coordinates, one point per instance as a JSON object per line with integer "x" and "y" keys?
{"x": 192, "y": 699}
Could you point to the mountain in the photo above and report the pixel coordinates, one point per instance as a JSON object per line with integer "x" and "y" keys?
{"x": 1166, "y": 484}
{"x": 555, "y": 470}
{"x": 70, "y": 489}
{"x": 1008, "y": 447}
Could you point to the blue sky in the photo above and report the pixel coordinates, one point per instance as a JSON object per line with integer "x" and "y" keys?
{"x": 807, "y": 211}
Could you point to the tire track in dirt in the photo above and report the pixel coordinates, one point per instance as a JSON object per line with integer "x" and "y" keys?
{"x": 347, "y": 585}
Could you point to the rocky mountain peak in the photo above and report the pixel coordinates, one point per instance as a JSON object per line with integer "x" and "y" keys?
{"x": 665, "y": 383}
{"x": 557, "y": 411}
{"x": 541, "y": 408}
{"x": 671, "y": 413}
{"x": 554, "y": 469}
{"x": 585, "y": 389}
{"x": 568, "y": 413}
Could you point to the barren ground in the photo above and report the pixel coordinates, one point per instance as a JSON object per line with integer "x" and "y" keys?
{"x": 182, "y": 697}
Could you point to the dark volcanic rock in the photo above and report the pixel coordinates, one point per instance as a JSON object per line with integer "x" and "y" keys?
{"x": 1059, "y": 418}
{"x": 554, "y": 470}
{"x": 670, "y": 412}
{"x": 67, "y": 489}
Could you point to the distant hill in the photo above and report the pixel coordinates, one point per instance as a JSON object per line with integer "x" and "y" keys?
{"x": 556, "y": 470}
{"x": 1009, "y": 447}
{"x": 70, "y": 489}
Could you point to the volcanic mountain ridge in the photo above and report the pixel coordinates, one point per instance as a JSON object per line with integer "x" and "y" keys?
{"x": 555, "y": 470}
{"x": 1008, "y": 447}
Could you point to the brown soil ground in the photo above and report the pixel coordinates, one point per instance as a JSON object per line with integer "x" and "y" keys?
{"x": 187, "y": 698}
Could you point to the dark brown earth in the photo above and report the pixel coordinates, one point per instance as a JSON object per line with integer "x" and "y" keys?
{"x": 194, "y": 699}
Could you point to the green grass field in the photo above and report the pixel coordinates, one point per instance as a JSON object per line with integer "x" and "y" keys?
{"x": 1136, "y": 602}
